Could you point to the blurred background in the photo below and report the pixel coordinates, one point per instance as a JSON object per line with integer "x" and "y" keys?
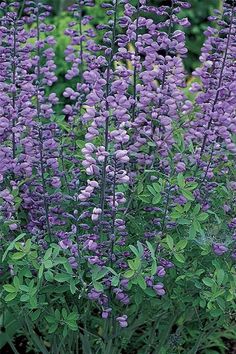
{"x": 198, "y": 16}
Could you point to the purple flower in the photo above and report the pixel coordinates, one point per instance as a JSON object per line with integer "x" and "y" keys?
{"x": 159, "y": 289}
{"x": 161, "y": 271}
{"x": 122, "y": 321}
{"x": 219, "y": 249}
{"x": 106, "y": 313}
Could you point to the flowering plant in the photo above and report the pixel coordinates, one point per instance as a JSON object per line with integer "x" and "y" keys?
{"x": 117, "y": 209}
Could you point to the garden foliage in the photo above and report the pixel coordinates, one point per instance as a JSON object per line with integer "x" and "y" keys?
{"x": 117, "y": 199}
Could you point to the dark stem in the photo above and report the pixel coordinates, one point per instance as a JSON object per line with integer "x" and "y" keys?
{"x": 135, "y": 66}
{"x": 113, "y": 214}
{"x": 21, "y": 9}
{"x": 14, "y": 93}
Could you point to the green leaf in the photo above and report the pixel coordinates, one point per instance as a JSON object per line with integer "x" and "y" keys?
{"x": 60, "y": 260}
{"x": 208, "y": 282}
{"x": 24, "y": 288}
{"x": 115, "y": 280}
{"x": 64, "y": 313}
{"x": 48, "y": 254}
{"x": 68, "y": 268}
{"x": 72, "y": 287}
{"x": 33, "y": 301}
{"x": 144, "y": 198}
{"x": 57, "y": 315}
{"x": 56, "y": 250}
{"x": 179, "y": 257}
{"x": 192, "y": 185}
{"x": 72, "y": 326}
{"x": 180, "y": 180}
{"x": 175, "y": 215}
{"x": 48, "y": 264}
{"x": 156, "y": 199}
{"x": 192, "y": 232}
{"x": 53, "y": 328}
{"x": 129, "y": 273}
{"x": 35, "y": 315}
{"x": 40, "y": 273}
{"x": 215, "y": 313}
{"x": 197, "y": 225}
{"x": 202, "y": 217}
{"x": 62, "y": 277}
{"x": 134, "y": 250}
{"x": 187, "y": 194}
{"x": 112, "y": 270}
{"x": 184, "y": 221}
{"x": 27, "y": 246}
{"x": 98, "y": 286}
{"x": 18, "y": 255}
{"x": 9, "y": 288}
{"x": 10, "y": 297}
{"x": 151, "y": 249}
{"x": 48, "y": 275}
{"x": 12, "y": 245}
{"x": 220, "y": 274}
{"x": 196, "y": 209}
{"x": 150, "y": 292}
{"x": 131, "y": 264}
{"x": 140, "y": 248}
{"x": 187, "y": 207}
{"x": 154, "y": 267}
{"x": 16, "y": 282}
{"x": 50, "y": 319}
{"x": 101, "y": 273}
{"x": 170, "y": 242}
{"x": 137, "y": 263}
{"x": 140, "y": 188}
{"x": 141, "y": 282}
{"x": 24, "y": 298}
{"x": 157, "y": 187}
{"x": 152, "y": 190}
{"x": 181, "y": 245}
{"x": 73, "y": 317}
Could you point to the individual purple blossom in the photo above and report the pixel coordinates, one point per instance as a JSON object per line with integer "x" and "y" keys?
{"x": 106, "y": 313}
{"x": 219, "y": 249}
{"x": 160, "y": 271}
{"x": 73, "y": 262}
{"x": 159, "y": 289}
{"x": 122, "y": 321}
{"x": 149, "y": 281}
